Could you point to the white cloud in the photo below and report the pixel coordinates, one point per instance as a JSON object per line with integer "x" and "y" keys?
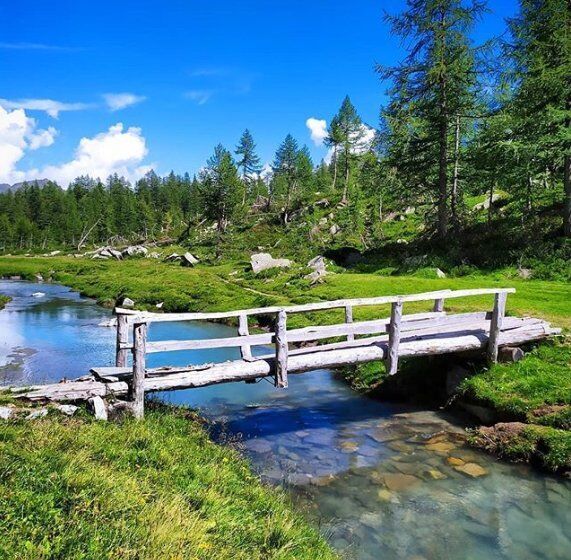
{"x": 318, "y": 130}
{"x": 117, "y": 150}
{"x": 18, "y": 134}
{"x": 201, "y": 96}
{"x": 33, "y": 47}
{"x": 114, "y": 151}
{"x": 51, "y": 107}
{"x": 117, "y": 101}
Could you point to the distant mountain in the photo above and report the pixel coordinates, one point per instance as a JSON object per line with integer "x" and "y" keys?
{"x": 6, "y": 187}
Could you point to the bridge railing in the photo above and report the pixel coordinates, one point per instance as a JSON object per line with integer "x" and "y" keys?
{"x": 389, "y": 329}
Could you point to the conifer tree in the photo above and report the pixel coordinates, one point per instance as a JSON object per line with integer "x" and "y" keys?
{"x": 248, "y": 162}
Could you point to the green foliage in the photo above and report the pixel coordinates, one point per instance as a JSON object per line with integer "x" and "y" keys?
{"x": 3, "y": 301}
{"x": 158, "y": 488}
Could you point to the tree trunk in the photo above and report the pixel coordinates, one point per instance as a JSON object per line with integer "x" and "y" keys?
{"x": 346, "y": 185}
{"x": 567, "y": 205}
{"x": 454, "y": 194}
{"x": 443, "y": 152}
{"x": 334, "y": 167}
{"x": 490, "y": 200}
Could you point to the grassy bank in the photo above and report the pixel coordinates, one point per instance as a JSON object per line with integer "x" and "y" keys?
{"x": 78, "y": 488}
{"x": 3, "y": 301}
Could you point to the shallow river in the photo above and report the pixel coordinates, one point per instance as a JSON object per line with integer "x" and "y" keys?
{"x": 381, "y": 481}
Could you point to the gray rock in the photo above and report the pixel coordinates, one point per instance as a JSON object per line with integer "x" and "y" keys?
{"x": 265, "y": 261}
{"x": 173, "y": 257}
{"x": 128, "y": 303}
{"x": 39, "y": 277}
{"x": 135, "y": 251}
{"x": 334, "y": 229}
{"x": 524, "y": 273}
{"x": 97, "y": 406}
{"x": 6, "y": 412}
{"x": 100, "y": 257}
{"x": 410, "y": 210}
{"x": 67, "y": 409}
{"x": 37, "y": 413}
{"x": 486, "y": 203}
{"x": 188, "y": 259}
{"x": 319, "y": 269}
{"x": 440, "y": 273}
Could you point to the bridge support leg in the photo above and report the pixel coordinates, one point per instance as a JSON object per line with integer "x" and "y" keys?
{"x": 349, "y": 320}
{"x": 137, "y": 387}
{"x": 281, "y": 350}
{"x": 122, "y": 338}
{"x": 394, "y": 337}
{"x": 496, "y": 326}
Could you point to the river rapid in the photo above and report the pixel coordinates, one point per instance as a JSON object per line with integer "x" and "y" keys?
{"x": 379, "y": 480}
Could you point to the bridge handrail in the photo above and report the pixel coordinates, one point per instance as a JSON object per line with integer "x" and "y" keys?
{"x": 134, "y": 316}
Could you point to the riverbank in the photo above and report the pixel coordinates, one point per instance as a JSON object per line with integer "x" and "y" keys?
{"x": 3, "y": 301}
{"x": 535, "y": 391}
{"x": 75, "y": 487}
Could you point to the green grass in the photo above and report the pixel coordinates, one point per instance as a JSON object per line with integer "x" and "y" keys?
{"x": 158, "y": 488}
{"x": 542, "y": 379}
{"x": 3, "y": 301}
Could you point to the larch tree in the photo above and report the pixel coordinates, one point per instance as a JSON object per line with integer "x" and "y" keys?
{"x": 286, "y": 173}
{"x": 539, "y": 49}
{"x": 433, "y": 87}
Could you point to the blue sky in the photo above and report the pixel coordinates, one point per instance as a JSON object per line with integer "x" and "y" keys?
{"x": 200, "y": 71}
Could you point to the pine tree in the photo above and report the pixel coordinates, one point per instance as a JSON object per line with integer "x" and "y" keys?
{"x": 221, "y": 187}
{"x": 286, "y": 173}
{"x": 334, "y": 140}
{"x": 248, "y": 162}
{"x": 433, "y": 86}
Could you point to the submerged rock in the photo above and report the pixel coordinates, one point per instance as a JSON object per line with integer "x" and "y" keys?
{"x": 472, "y": 469}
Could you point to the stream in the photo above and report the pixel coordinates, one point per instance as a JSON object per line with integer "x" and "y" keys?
{"x": 379, "y": 480}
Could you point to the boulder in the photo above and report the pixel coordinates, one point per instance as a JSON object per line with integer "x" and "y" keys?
{"x": 67, "y": 409}
{"x": 188, "y": 259}
{"x": 173, "y": 257}
{"x": 410, "y": 210}
{"x": 334, "y": 229}
{"x": 486, "y": 203}
{"x": 38, "y": 277}
{"x": 37, "y": 413}
{"x": 160, "y": 305}
{"x": 100, "y": 257}
{"x": 524, "y": 273}
{"x": 6, "y": 412}
{"x": 97, "y": 406}
{"x": 54, "y": 253}
{"x": 454, "y": 378}
{"x": 128, "y": 303}
{"x": 319, "y": 269}
{"x": 440, "y": 273}
{"x": 135, "y": 251}
{"x": 265, "y": 261}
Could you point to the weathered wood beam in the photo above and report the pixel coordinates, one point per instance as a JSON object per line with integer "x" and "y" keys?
{"x": 281, "y": 350}
{"x": 349, "y": 320}
{"x": 245, "y": 349}
{"x": 121, "y": 352}
{"x": 496, "y": 326}
{"x": 137, "y": 387}
{"x": 438, "y": 305}
{"x": 394, "y": 337}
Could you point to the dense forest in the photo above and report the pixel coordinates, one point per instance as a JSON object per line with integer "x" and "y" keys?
{"x": 463, "y": 122}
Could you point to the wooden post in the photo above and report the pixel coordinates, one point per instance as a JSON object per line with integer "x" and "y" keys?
{"x": 281, "y": 349}
{"x": 245, "y": 351}
{"x": 349, "y": 319}
{"x": 122, "y": 338}
{"x": 496, "y": 326}
{"x": 137, "y": 387}
{"x": 438, "y": 305}
{"x": 394, "y": 337}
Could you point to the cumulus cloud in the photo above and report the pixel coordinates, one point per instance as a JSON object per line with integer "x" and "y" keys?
{"x": 117, "y": 150}
{"x": 200, "y": 96}
{"x": 317, "y": 129}
{"x": 50, "y": 106}
{"x": 117, "y": 101}
{"x": 363, "y": 144}
{"x": 18, "y": 134}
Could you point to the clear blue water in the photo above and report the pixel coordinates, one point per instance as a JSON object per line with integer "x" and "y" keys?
{"x": 374, "y": 477}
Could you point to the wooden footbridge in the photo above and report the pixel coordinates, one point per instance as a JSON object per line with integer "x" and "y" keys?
{"x": 351, "y": 342}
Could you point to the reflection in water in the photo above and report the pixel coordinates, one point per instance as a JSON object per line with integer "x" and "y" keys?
{"x": 380, "y": 480}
